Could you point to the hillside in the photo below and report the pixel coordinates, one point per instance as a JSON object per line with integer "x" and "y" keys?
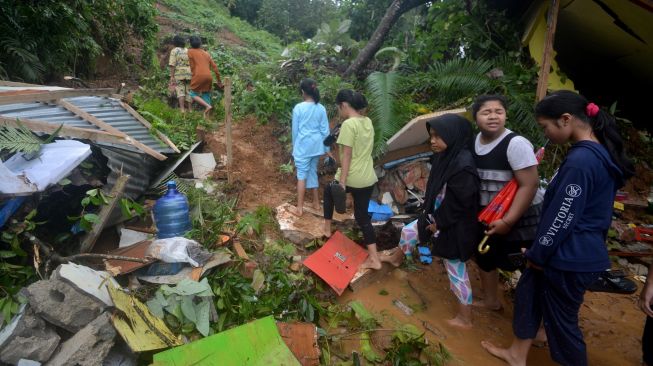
{"x": 232, "y": 41}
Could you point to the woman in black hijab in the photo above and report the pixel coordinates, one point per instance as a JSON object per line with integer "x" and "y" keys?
{"x": 450, "y": 208}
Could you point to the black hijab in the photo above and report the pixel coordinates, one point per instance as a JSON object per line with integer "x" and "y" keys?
{"x": 456, "y": 132}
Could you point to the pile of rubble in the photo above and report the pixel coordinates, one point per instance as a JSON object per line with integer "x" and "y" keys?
{"x": 66, "y": 321}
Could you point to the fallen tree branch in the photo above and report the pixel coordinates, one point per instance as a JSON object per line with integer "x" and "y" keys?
{"x": 103, "y": 216}
{"x": 56, "y": 257}
{"x": 72, "y": 258}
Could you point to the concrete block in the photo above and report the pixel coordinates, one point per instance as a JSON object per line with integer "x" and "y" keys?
{"x": 62, "y": 305}
{"x": 88, "y": 347}
{"x": 27, "y": 337}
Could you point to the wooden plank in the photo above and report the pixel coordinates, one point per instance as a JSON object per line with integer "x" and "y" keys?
{"x": 66, "y": 131}
{"x": 116, "y": 194}
{"x": 227, "y": 111}
{"x": 301, "y": 338}
{"x": 89, "y": 117}
{"x": 366, "y": 277}
{"x": 240, "y": 250}
{"x": 107, "y": 127}
{"x": 551, "y": 23}
{"x": 53, "y": 95}
{"x": 16, "y": 83}
{"x": 148, "y": 125}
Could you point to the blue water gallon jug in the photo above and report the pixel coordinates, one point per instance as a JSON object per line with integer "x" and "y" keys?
{"x": 171, "y": 214}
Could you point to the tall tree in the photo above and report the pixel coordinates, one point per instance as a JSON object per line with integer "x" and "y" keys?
{"x": 392, "y": 14}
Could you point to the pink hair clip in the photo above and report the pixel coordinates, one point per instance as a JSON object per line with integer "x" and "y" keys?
{"x": 592, "y": 109}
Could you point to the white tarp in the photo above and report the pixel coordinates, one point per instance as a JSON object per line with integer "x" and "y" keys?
{"x": 56, "y": 161}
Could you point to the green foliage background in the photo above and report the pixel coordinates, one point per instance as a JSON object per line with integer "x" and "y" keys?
{"x": 42, "y": 40}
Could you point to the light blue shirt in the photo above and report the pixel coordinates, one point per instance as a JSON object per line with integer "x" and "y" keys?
{"x": 310, "y": 127}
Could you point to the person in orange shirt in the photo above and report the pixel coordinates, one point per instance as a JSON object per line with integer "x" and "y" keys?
{"x": 201, "y": 81}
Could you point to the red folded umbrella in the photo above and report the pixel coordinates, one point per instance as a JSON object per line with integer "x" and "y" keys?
{"x": 500, "y": 204}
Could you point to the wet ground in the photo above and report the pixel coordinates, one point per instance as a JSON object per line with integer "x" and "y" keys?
{"x": 612, "y": 323}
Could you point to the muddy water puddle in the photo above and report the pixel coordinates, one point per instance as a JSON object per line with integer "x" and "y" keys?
{"x": 612, "y": 323}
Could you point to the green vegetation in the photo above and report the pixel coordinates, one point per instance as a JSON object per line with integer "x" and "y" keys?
{"x": 42, "y": 40}
{"x": 16, "y": 268}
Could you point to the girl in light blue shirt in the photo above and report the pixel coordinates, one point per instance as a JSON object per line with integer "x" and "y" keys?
{"x": 310, "y": 127}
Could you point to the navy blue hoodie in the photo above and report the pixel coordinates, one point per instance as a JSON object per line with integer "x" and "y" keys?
{"x": 577, "y": 212}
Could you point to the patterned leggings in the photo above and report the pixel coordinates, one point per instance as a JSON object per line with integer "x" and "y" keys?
{"x": 456, "y": 269}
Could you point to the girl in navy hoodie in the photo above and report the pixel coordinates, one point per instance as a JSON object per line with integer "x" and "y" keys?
{"x": 569, "y": 251}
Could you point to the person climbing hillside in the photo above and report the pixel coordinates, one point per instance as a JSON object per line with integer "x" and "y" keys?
{"x": 569, "y": 251}
{"x": 201, "y": 81}
{"x": 180, "y": 74}
{"x": 310, "y": 126}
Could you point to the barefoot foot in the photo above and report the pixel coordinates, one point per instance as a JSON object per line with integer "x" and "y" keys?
{"x": 371, "y": 263}
{"x": 393, "y": 256}
{"x": 494, "y": 306}
{"x": 540, "y": 340}
{"x": 297, "y": 211}
{"x": 460, "y": 323}
{"x": 207, "y": 111}
{"x": 502, "y": 353}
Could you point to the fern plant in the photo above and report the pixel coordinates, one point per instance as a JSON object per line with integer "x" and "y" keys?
{"x": 382, "y": 91}
{"x": 18, "y": 139}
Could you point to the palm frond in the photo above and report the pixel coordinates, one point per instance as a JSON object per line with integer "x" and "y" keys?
{"x": 450, "y": 81}
{"x": 521, "y": 119}
{"x": 18, "y": 139}
{"x": 20, "y": 56}
{"x": 382, "y": 89}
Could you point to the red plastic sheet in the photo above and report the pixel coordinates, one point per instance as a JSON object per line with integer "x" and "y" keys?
{"x": 337, "y": 261}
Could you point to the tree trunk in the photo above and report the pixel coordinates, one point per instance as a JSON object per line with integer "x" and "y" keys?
{"x": 395, "y": 10}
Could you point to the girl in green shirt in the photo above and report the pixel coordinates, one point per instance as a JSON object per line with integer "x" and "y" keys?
{"x": 356, "y": 175}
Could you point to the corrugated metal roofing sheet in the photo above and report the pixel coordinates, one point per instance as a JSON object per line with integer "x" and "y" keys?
{"x": 140, "y": 167}
{"x": 108, "y": 110}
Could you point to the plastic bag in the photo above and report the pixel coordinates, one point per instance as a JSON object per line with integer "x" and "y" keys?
{"x": 178, "y": 249}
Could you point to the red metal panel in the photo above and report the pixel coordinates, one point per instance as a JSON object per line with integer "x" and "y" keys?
{"x": 337, "y": 261}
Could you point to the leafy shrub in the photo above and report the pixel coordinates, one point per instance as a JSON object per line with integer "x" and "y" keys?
{"x": 179, "y": 127}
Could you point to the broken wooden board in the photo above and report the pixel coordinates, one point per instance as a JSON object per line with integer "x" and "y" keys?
{"x": 337, "y": 217}
{"x": 302, "y": 230}
{"x": 337, "y": 261}
{"x": 301, "y": 338}
{"x": 299, "y": 230}
{"x": 141, "y": 330}
{"x": 367, "y": 276}
{"x": 65, "y": 131}
{"x": 257, "y": 343}
{"x": 44, "y": 96}
{"x": 137, "y": 250}
{"x": 240, "y": 251}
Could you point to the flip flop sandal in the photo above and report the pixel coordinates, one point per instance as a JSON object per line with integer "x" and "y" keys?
{"x": 614, "y": 284}
{"x": 339, "y": 197}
